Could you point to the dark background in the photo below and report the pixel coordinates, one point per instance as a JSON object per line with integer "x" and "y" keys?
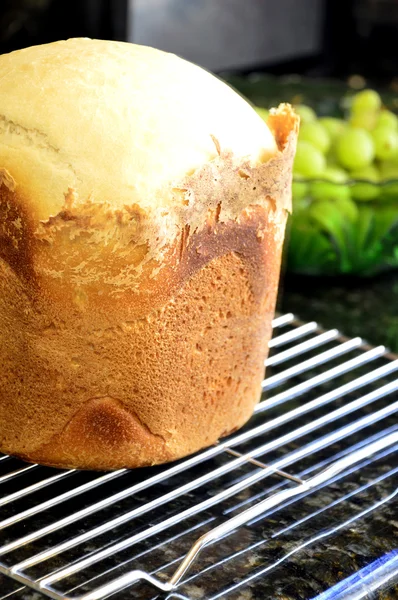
{"x": 355, "y": 36}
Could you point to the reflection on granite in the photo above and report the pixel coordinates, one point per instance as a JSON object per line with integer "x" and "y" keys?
{"x": 357, "y": 307}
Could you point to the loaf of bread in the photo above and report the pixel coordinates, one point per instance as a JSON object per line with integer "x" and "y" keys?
{"x": 142, "y": 212}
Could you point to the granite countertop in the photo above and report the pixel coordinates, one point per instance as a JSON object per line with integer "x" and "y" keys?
{"x": 357, "y": 307}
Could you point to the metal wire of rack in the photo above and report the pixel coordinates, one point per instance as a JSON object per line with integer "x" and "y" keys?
{"x": 317, "y": 459}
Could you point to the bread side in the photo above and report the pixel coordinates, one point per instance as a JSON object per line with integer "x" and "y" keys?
{"x": 77, "y": 393}
{"x": 95, "y": 379}
{"x": 137, "y": 288}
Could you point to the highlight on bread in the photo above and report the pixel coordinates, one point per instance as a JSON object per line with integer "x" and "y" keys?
{"x": 143, "y": 204}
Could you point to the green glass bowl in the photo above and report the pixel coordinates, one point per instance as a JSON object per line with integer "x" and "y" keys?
{"x": 331, "y": 232}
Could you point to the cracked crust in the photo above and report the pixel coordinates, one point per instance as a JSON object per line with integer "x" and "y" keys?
{"x": 133, "y": 332}
{"x": 119, "y": 123}
{"x": 171, "y": 381}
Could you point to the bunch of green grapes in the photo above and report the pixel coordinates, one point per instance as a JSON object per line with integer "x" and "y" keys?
{"x": 343, "y": 160}
{"x": 344, "y": 221}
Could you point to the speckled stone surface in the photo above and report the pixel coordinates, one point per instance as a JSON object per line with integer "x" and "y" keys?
{"x": 357, "y": 307}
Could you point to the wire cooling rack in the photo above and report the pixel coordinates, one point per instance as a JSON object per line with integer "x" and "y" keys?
{"x": 297, "y": 504}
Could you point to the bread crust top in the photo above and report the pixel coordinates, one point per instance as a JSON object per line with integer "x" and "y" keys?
{"x": 117, "y": 122}
{"x": 110, "y": 153}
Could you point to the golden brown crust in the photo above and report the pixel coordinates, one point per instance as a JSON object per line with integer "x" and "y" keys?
{"x": 111, "y": 358}
{"x": 103, "y": 434}
{"x": 91, "y": 251}
{"x": 149, "y": 389}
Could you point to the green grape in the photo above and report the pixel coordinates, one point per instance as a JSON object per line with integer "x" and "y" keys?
{"x": 366, "y": 101}
{"x": 389, "y": 173}
{"x": 324, "y": 190}
{"x": 331, "y": 160}
{"x": 388, "y": 119}
{"x": 306, "y": 113}
{"x": 370, "y": 173}
{"x": 355, "y": 148}
{"x": 299, "y": 190}
{"x": 385, "y": 142}
{"x": 394, "y": 158}
{"x": 347, "y": 208}
{"x": 335, "y": 174}
{"x": 263, "y": 112}
{"x": 364, "y": 120}
{"x": 309, "y": 161}
{"x": 388, "y": 170}
{"x": 333, "y": 187}
{"x": 366, "y": 191}
{"x": 333, "y": 126}
{"x": 316, "y": 134}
